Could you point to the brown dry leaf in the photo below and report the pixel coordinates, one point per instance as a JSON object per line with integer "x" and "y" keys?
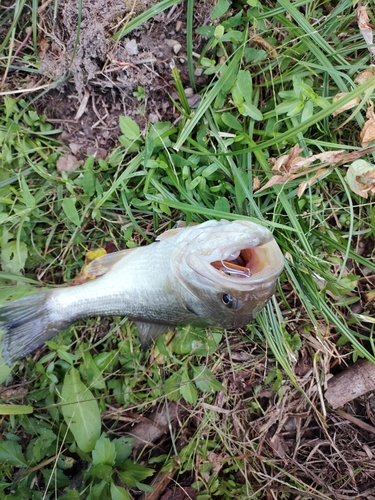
{"x": 276, "y": 179}
{"x": 13, "y": 393}
{"x": 262, "y": 42}
{"x": 367, "y": 182}
{"x": 302, "y": 187}
{"x": 365, "y": 75}
{"x": 349, "y": 105}
{"x": 293, "y": 163}
{"x": 293, "y": 166}
{"x": 66, "y": 163}
{"x": 326, "y": 158}
{"x": 285, "y": 163}
{"x": 278, "y": 445}
{"x": 256, "y": 183}
{"x": 366, "y": 28}
{"x": 368, "y": 132}
{"x": 361, "y": 178}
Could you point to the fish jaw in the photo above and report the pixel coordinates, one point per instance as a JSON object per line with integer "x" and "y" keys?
{"x": 253, "y": 243}
{"x": 207, "y": 279}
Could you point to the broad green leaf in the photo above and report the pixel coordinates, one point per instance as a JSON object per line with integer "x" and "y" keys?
{"x": 307, "y": 111}
{"x": 152, "y": 164}
{"x": 237, "y": 97}
{"x": 134, "y": 473}
{"x": 124, "y": 447}
{"x": 219, "y": 31}
{"x": 80, "y": 411}
{"x": 98, "y": 491}
{"x": 70, "y": 494}
{"x": 242, "y": 95}
{"x": 106, "y": 360}
{"x": 187, "y": 388}
{"x": 252, "y": 111}
{"x": 104, "y": 451}
{"x": 254, "y": 55}
{"x": 222, "y": 204}
{"x": 211, "y": 169}
{"x": 320, "y": 101}
{"x": 119, "y": 493}
{"x": 129, "y": 128}
{"x": 11, "y": 454}
{"x": 231, "y": 121}
{"x": 207, "y": 31}
{"x": 286, "y": 106}
{"x": 220, "y": 9}
{"x": 15, "y": 409}
{"x": 145, "y": 487}
{"x": 184, "y": 339}
{"x": 88, "y": 182}
{"x": 69, "y": 207}
{"x": 13, "y": 256}
{"x": 205, "y": 380}
{"x": 129, "y": 144}
{"x": 194, "y": 183}
{"x": 172, "y": 387}
{"x": 5, "y": 370}
{"x": 101, "y": 471}
{"x": 28, "y": 198}
{"x": 42, "y": 445}
{"x": 233, "y": 36}
{"x": 90, "y": 372}
{"x": 296, "y": 109}
{"x": 245, "y": 85}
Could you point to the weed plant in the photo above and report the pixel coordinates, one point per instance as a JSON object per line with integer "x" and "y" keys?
{"x": 274, "y": 68}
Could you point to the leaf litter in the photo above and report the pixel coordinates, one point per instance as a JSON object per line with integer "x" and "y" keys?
{"x": 100, "y": 78}
{"x": 292, "y": 166}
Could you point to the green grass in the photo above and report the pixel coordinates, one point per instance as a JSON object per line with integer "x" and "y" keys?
{"x": 255, "y": 107}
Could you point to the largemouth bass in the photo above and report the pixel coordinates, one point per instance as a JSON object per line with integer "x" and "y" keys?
{"x": 215, "y": 273}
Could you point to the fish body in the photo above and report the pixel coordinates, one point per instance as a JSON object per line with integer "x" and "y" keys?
{"x": 215, "y": 273}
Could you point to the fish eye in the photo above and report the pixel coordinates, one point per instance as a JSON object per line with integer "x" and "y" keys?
{"x": 227, "y": 300}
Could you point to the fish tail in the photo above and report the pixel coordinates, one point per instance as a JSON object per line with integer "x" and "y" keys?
{"x": 25, "y": 324}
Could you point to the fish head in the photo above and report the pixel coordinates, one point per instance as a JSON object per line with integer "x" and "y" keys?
{"x": 228, "y": 270}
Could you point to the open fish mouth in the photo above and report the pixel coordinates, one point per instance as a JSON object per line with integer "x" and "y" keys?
{"x": 257, "y": 264}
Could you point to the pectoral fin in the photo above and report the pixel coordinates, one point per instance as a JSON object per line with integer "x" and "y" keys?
{"x": 149, "y": 332}
{"x": 97, "y": 266}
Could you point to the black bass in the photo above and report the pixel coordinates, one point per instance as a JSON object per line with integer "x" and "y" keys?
{"x": 215, "y": 273}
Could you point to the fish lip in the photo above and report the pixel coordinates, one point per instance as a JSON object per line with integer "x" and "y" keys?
{"x": 201, "y": 263}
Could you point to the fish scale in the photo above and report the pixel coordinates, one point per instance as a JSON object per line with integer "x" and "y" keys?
{"x": 137, "y": 286}
{"x": 174, "y": 281}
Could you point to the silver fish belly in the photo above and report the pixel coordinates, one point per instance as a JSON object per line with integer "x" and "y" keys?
{"x": 215, "y": 273}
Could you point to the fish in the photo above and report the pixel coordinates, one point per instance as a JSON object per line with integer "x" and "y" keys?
{"x": 217, "y": 273}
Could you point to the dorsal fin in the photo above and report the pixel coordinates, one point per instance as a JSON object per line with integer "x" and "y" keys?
{"x": 180, "y": 226}
{"x": 170, "y": 233}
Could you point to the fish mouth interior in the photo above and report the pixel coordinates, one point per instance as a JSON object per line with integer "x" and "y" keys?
{"x": 253, "y": 263}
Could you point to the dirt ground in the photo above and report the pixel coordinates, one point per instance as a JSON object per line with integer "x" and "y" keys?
{"x": 108, "y": 78}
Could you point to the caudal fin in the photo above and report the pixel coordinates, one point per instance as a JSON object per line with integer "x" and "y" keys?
{"x": 25, "y": 325}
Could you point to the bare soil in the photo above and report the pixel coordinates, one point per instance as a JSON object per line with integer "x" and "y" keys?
{"x": 103, "y": 79}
